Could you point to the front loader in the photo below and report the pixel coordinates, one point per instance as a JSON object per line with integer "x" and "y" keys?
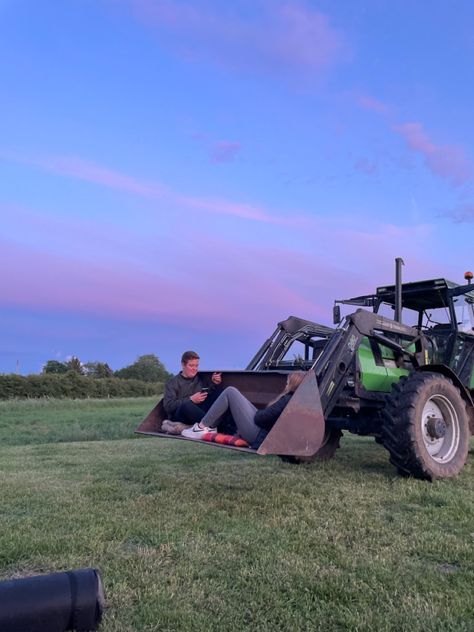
{"x": 409, "y": 386}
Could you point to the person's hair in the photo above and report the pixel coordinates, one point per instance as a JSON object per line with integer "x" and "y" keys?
{"x": 189, "y": 355}
{"x": 293, "y": 381}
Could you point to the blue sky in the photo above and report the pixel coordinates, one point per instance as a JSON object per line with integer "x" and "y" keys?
{"x": 180, "y": 175}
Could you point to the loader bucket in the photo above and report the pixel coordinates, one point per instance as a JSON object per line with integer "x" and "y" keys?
{"x": 298, "y": 431}
{"x": 152, "y": 422}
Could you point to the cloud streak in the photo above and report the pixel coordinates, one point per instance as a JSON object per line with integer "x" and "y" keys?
{"x": 275, "y": 37}
{"x": 367, "y": 102}
{"x": 225, "y": 284}
{"x": 90, "y": 172}
{"x": 47, "y": 281}
{"x": 446, "y": 161}
{"x": 224, "y": 151}
{"x": 366, "y": 166}
{"x": 237, "y": 293}
{"x": 462, "y": 214}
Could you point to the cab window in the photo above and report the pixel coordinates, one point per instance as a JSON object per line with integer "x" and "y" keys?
{"x": 464, "y": 314}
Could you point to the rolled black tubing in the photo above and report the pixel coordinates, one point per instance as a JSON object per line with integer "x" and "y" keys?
{"x": 73, "y": 600}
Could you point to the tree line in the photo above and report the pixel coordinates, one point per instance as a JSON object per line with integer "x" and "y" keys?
{"x": 74, "y": 379}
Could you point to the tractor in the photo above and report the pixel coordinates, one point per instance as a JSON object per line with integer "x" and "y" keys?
{"x": 408, "y": 384}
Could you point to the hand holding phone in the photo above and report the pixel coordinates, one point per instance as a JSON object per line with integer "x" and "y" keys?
{"x": 199, "y": 396}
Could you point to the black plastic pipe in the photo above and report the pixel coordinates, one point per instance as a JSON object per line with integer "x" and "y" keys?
{"x": 73, "y": 600}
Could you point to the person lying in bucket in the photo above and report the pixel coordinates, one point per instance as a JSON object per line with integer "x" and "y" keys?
{"x": 253, "y": 425}
{"x": 188, "y": 395}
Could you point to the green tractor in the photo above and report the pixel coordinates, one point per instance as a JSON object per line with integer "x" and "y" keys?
{"x": 408, "y": 385}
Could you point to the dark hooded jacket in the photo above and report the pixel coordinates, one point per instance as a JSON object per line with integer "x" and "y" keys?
{"x": 179, "y": 388}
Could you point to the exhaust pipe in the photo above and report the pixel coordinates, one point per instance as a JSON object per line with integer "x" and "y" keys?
{"x": 398, "y": 289}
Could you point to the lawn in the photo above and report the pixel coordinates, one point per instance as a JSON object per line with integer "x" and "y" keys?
{"x": 196, "y": 538}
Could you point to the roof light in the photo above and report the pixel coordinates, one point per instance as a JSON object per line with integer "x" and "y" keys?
{"x": 468, "y": 276}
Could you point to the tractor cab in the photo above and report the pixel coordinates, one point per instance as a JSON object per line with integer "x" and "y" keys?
{"x": 441, "y": 310}
{"x": 432, "y": 304}
{"x": 439, "y": 304}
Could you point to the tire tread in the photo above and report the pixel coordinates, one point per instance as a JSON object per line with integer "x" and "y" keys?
{"x": 399, "y": 428}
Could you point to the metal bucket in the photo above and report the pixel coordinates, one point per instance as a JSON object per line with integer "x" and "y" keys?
{"x": 299, "y": 430}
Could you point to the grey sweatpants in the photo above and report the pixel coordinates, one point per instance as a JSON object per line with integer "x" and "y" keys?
{"x": 242, "y": 411}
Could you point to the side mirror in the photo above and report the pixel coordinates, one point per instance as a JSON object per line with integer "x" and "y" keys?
{"x": 336, "y": 314}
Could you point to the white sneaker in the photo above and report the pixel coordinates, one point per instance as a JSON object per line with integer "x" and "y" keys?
{"x": 196, "y": 432}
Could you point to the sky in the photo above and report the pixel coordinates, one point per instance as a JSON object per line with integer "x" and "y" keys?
{"x": 184, "y": 174}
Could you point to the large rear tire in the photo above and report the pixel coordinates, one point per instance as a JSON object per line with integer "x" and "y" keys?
{"x": 331, "y": 443}
{"x": 425, "y": 427}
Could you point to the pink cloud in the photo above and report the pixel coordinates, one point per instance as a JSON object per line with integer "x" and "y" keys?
{"x": 98, "y": 174}
{"x": 274, "y": 280}
{"x": 219, "y": 283}
{"x": 232, "y": 284}
{"x": 227, "y": 279}
{"x": 462, "y": 214}
{"x": 367, "y": 102}
{"x": 48, "y": 281}
{"x": 246, "y": 279}
{"x": 224, "y": 151}
{"x": 279, "y": 37}
{"x": 219, "y": 151}
{"x": 366, "y": 166}
{"x": 303, "y": 37}
{"x": 86, "y": 171}
{"x": 446, "y": 161}
{"x": 244, "y": 211}
{"x": 54, "y": 231}
{"x": 416, "y": 138}
{"x": 236, "y": 290}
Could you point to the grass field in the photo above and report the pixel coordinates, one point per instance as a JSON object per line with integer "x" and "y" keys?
{"x": 196, "y": 538}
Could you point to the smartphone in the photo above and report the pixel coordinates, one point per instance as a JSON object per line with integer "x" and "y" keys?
{"x": 205, "y": 389}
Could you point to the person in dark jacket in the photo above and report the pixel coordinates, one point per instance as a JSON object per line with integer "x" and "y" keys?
{"x": 253, "y": 425}
{"x": 188, "y": 394}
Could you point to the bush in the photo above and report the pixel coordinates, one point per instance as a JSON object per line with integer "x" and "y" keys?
{"x": 72, "y": 385}
{"x": 53, "y": 366}
{"x": 147, "y": 368}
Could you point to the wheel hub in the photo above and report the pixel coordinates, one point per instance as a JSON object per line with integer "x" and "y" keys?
{"x": 436, "y": 427}
{"x": 440, "y": 428}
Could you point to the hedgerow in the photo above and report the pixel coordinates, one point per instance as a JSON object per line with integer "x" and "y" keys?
{"x": 75, "y": 386}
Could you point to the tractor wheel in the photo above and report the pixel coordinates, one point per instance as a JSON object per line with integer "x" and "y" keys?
{"x": 327, "y": 450}
{"x": 425, "y": 427}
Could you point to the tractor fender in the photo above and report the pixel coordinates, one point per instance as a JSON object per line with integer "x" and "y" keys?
{"x": 465, "y": 393}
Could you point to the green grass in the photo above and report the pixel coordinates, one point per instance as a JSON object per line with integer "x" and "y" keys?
{"x": 23, "y": 422}
{"x": 197, "y": 538}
